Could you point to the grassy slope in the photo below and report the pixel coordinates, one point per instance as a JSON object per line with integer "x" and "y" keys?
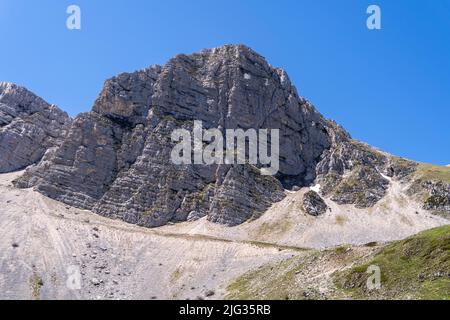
{"x": 296, "y": 278}
{"x": 429, "y": 172}
{"x": 415, "y": 268}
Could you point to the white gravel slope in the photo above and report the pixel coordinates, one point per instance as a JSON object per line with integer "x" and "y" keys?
{"x": 128, "y": 261}
{"x": 395, "y": 217}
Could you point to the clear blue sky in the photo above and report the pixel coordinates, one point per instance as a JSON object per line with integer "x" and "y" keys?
{"x": 390, "y": 88}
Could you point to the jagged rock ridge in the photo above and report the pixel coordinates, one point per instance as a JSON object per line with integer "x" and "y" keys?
{"x": 29, "y": 127}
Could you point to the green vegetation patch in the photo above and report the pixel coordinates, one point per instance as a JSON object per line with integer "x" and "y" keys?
{"x": 415, "y": 268}
{"x": 274, "y": 228}
{"x": 176, "y": 275}
{"x": 429, "y": 172}
{"x": 289, "y": 279}
{"x": 269, "y": 282}
{"x": 36, "y": 284}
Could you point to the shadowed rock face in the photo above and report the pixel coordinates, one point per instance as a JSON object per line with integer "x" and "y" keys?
{"x": 115, "y": 160}
{"x": 29, "y": 127}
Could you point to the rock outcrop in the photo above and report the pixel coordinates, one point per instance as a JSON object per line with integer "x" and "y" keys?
{"x": 439, "y": 199}
{"x": 115, "y": 160}
{"x": 29, "y": 127}
{"x": 430, "y": 185}
{"x": 313, "y": 204}
{"x": 350, "y": 172}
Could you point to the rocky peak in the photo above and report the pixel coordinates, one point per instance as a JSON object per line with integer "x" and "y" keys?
{"x": 115, "y": 160}
{"x": 29, "y": 127}
{"x": 20, "y": 99}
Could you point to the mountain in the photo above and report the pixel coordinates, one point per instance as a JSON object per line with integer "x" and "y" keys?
{"x": 335, "y": 208}
{"x": 29, "y": 127}
{"x": 115, "y": 160}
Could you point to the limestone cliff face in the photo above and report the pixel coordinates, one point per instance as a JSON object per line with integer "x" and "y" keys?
{"x": 29, "y": 127}
{"x": 115, "y": 160}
